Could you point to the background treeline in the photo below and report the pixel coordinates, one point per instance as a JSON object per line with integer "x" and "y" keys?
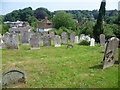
{"x": 27, "y": 14}
{"x": 85, "y": 18}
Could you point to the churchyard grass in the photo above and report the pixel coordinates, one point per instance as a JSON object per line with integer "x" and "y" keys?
{"x": 61, "y": 67}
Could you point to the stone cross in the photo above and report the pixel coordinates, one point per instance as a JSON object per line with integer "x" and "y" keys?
{"x": 72, "y": 37}
{"x": 110, "y": 52}
{"x": 57, "y": 41}
{"x": 92, "y": 42}
{"x": 102, "y": 39}
{"x": 34, "y": 42}
{"x": 64, "y": 38}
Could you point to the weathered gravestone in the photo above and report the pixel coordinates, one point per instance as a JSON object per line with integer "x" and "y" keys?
{"x": 82, "y": 37}
{"x": 45, "y": 33}
{"x": 57, "y": 41}
{"x": 40, "y": 37}
{"x": 110, "y": 52}
{"x": 92, "y": 42}
{"x": 76, "y": 39}
{"x": 1, "y": 41}
{"x": 72, "y": 37}
{"x": 64, "y": 38}
{"x": 102, "y": 39}
{"x": 13, "y": 78}
{"x": 34, "y": 42}
{"x": 11, "y": 41}
{"x": 25, "y": 36}
{"x": 52, "y": 34}
{"x": 46, "y": 41}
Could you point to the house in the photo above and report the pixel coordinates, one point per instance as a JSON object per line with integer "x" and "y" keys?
{"x": 17, "y": 23}
{"x": 20, "y": 29}
{"x": 44, "y": 25}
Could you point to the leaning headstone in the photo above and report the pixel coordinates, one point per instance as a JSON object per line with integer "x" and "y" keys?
{"x": 72, "y": 37}
{"x": 102, "y": 39}
{"x": 25, "y": 36}
{"x": 34, "y": 42}
{"x": 13, "y": 78}
{"x": 57, "y": 41}
{"x": 52, "y": 34}
{"x": 11, "y": 41}
{"x": 92, "y": 42}
{"x": 76, "y": 39}
{"x": 46, "y": 41}
{"x": 64, "y": 38}
{"x": 110, "y": 52}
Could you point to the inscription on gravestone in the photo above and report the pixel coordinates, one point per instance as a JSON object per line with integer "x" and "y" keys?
{"x": 46, "y": 41}
{"x": 13, "y": 77}
{"x": 57, "y": 41}
{"x": 34, "y": 42}
{"x": 110, "y": 52}
{"x": 64, "y": 38}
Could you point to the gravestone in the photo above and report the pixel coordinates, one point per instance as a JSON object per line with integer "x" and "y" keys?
{"x": 34, "y": 42}
{"x": 87, "y": 38}
{"x": 57, "y": 41}
{"x": 64, "y": 38}
{"x": 102, "y": 39}
{"x": 46, "y": 41}
{"x": 52, "y": 34}
{"x": 70, "y": 46}
{"x": 11, "y": 41}
{"x": 82, "y": 37}
{"x": 92, "y": 42}
{"x": 72, "y": 37}
{"x": 1, "y": 41}
{"x": 25, "y": 36}
{"x": 45, "y": 33}
{"x": 13, "y": 77}
{"x": 76, "y": 39}
{"x": 110, "y": 52}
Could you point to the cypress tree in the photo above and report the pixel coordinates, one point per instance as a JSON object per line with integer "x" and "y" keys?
{"x": 98, "y": 28}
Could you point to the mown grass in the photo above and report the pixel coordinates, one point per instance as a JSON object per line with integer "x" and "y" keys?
{"x": 59, "y": 67}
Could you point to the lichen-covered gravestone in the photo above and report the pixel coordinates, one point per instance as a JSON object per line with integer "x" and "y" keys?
{"x": 102, "y": 39}
{"x": 92, "y": 42}
{"x": 110, "y": 52}
{"x": 64, "y": 38}
{"x": 46, "y": 41}
{"x": 13, "y": 78}
{"x": 34, "y": 42}
{"x": 11, "y": 41}
{"x": 25, "y": 36}
{"x": 72, "y": 37}
{"x": 57, "y": 41}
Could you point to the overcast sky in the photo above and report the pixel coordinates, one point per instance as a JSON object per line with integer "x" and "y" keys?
{"x": 52, "y": 5}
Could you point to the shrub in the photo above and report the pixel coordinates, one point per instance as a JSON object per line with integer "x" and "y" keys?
{"x": 84, "y": 42}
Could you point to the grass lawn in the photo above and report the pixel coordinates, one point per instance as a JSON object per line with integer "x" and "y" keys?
{"x": 59, "y": 67}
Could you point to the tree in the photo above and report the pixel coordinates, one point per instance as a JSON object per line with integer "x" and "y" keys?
{"x": 98, "y": 28}
{"x": 63, "y": 19}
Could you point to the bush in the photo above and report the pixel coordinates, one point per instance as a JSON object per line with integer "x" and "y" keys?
{"x": 84, "y": 42}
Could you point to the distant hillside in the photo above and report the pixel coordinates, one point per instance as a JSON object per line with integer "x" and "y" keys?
{"x": 27, "y": 14}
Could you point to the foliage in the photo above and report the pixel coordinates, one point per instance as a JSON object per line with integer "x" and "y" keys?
{"x": 5, "y": 28}
{"x": 84, "y": 42}
{"x": 62, "y": 19}
{"x": 98, "y": 28}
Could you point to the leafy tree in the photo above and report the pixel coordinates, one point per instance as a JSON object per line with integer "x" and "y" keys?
{"x": 5, "y": 28}
{"x": 63, "y": 19}
{"x": 98, "y": 28}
